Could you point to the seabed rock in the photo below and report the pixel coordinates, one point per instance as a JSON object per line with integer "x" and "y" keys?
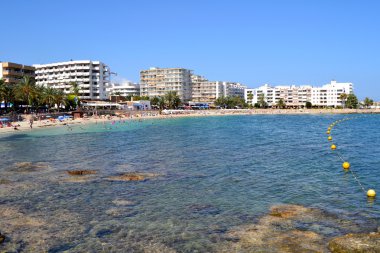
{"x": 294, "y": 228}
{"x": 2, "y": 238}
{"x": 133, "y": 176}
{"x": 356, "y": 243}
{"x": 4, "y": 181}
{"x": 30, "y": 166}
{"x": 80, "y": 172}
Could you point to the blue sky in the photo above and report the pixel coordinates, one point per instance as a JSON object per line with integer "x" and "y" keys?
{"x": 252, "y": 42}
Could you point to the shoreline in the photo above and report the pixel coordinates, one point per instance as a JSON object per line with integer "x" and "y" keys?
{"x": 24, "y": 125}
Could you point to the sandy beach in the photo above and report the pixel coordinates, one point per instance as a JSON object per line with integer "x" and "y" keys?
{"x": 24, "y": 125}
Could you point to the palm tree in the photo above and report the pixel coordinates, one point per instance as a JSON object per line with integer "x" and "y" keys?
{"x": 368, "y": 102}
{"x": 172, "y": 99}
{"x": 261, "y": 101}
{"x": 25, "y": 91}
{"x": 39, "y": 96}
{"x": 49, "y": 96}
{"x": 281, "y": 103}
{"x": 59, "y": 98}
{"x": 343, "y": 97}
{"x": 75, "y": 90}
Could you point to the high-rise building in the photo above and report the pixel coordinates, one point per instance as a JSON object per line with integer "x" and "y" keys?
{"x": 297, "y": 96}
{"x": 93, "y": 77}
{"x": 158, "y": 81}
{"x": 204, "y": 90}
{"x": 12, "y": 73}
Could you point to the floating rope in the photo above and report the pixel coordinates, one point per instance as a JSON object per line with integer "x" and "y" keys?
{"x": 370, "y": 193}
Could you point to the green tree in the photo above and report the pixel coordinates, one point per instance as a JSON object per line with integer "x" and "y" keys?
{"x": 221, "y": 101}
{"x": 25, "y": 91}
{"x": 281, "y": 103}
{"x": 352, "y": 101}
{"x": 49, "y": 97}
{"x": 39, "y": 99}
{"x": 367, "y": 102}
{"x": 75, "y": 90}
{"x": 308, "y": 105}
{"x": 60, "y": 98}
{"x": 261, "y": 101}
{"x": 172, "y": 100}
{"x": 6, "y": 94}
{"x": 343, "y": 97}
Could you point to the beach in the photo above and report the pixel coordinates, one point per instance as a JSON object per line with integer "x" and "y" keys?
{"x": 24, "y": 125}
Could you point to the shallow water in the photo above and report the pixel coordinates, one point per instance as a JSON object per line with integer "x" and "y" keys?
{"x": 214, "y": 175}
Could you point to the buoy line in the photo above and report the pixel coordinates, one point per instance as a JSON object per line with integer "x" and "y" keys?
{"x": 346, "y": 165}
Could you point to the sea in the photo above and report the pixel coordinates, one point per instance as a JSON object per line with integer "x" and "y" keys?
{"x": 204, "y": 177}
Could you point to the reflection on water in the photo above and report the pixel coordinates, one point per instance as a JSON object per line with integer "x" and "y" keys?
{"x": 193, "y": 184}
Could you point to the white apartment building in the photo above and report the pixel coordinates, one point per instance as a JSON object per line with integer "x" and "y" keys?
{"x": 297, "y": 96}
{"x": 204, "y": 90}
{"x": 92, "y": 77}
{"x": 124, "y": 89}
{"x": 233, "y": 89}
{"x": 158, "y": 81}
{"x": 329, "y": 94}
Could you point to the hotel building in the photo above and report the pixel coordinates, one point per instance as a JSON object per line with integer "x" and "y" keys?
{"x": 12, "y": 73}
{"x": 297, "y": 96}
{"x": 204, "y": 90}
{"x": 124, "y": 89}
{"x": 329, "y": 94}
{"x": 158, "y": 81}
{"x": 93, "y": 77}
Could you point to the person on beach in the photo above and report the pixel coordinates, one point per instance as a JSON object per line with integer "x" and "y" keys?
{"x": 31, "y": 123}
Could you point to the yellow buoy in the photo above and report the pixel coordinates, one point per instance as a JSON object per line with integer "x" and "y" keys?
{"x": 328, "y": 132}
{"x": 329, "y": 138}
{"x": 346, "y": 165}
{"x": 329, "y": 129}
{"x": 371, "y": 193}
{"x": 333, "y": 147}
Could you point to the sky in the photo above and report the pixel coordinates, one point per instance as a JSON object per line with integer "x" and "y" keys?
{"x": 279, "y": 42}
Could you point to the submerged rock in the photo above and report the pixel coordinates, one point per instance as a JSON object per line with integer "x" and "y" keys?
{"x": 29, "y": 166}
{"x": 4, "y": 181}
{"x": 122, "y": 202}
{"x": 356, "y": 243}
{"x": 289, "y": 228}
{"x": 2, "y": 238}
{"x": 288, "y": 211}
{"x": 81, "y": 172}
{"x": 133, "y": 176}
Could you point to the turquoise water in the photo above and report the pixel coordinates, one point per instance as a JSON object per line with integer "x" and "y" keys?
{"x": 214, "y": 174}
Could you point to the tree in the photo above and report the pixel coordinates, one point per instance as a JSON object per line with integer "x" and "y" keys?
{"x": 49, "y": 96}
{"x": 75, "y": 90}
{"x": 172, "y": 100}
{"x": 281, "y": 103}
{"x": 155, "y": 100}
{"x": 59, "y": 98}
{"x": 352, "y": 101}
{"x": 221, "y": 101}
{"x": 6, "y": 94}
{"x": 308, "y": 105}
{"x": 25, "y": 91}
{"x": 261, "y": 101}
{"x": 343, "y": 97}
{"x": 367, "y": 102}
